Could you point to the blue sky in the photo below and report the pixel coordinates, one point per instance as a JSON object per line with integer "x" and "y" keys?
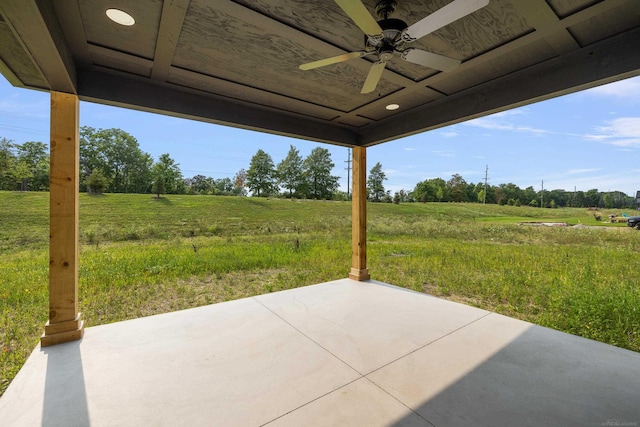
{"x": 590, "y": 139}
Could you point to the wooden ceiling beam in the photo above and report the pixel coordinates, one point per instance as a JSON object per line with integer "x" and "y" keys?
{"x": 540, "y": 15}
{"x": 70, "y": 18}
{"x": 36, "y": 26}
{"x": 140, "y": 94}
{"x": 173, "y": 14}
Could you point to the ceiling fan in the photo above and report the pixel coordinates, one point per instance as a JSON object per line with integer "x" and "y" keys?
{"x": 385, "y": 37}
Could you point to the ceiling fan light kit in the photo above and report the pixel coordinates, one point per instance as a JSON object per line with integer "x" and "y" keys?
{"x": 387, "y": 36}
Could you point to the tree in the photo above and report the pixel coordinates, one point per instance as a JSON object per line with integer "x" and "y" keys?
{"x": 96, "y": 182}
{"x": 239, "y": 183}
{"x": 375, "y": 186}
{"x": 200, "y": 184}
{"x": 158, "y": 186}
{"x": 22, "y": 174}
{"x": 7, "y": 161}
{"x": 224, "y": 186}
{"x": 139, "y": 178}
{"x": 289, "y": 172}
{"x": 117, "y": 154}
{"x": 261, "y": 176}
{"x": 430, "y": 190}
{"x": 592, "y": 198}
{"x": 167, "y": 170}
{"x": 320, "y": 184}
{"x": 457, "y": 187}
{"x": 32, "y": 166}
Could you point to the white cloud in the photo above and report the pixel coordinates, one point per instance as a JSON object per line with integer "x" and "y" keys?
{"x": 444, "y": 153}
{"x": 410, "y": 149}
{"x": 629, "y": 88}
{"x": 502, "y": 122}
{"x": 449, "y": 134}
{"x": 621, "y": 132}
{"x": 581, "y": 171}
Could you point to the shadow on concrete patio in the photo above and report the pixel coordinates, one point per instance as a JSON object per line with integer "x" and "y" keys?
{"x": 65, "y": 397}
{"x": 541, "y": 378}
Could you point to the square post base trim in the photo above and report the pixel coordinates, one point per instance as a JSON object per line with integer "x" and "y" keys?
{"x": 359, "y": 274}
{"x": 57, "y": 333}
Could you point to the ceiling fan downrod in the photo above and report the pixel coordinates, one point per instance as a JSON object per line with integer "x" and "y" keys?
{"x": 385, "y": 8}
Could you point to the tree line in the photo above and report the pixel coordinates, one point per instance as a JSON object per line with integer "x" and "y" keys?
{"x": 457, "y": 189}
{"x": 111, "y": 161}
{"x": 24, "y": 166}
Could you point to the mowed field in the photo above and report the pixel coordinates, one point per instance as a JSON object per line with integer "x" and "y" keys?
{"x": 141, "y": 256}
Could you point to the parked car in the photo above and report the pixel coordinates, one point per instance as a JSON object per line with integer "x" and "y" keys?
{"x": 634, "y": 221}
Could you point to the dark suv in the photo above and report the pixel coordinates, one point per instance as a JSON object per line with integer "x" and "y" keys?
{"x": 634, "y": 221}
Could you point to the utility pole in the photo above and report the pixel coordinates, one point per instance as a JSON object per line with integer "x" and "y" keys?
{"x": 542, "y": 195}
{"x": 348, "y": 169}
{"x": 486, "y": 177}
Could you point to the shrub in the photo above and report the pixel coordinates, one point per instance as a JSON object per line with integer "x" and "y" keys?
{"x": 96, "y": 182}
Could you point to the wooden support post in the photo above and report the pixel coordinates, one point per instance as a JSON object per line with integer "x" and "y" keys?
{"x": 359, "y": 216}
{"x": 65, "y": 322}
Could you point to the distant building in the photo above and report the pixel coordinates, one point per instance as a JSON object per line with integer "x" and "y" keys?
{"x": 638, "y": 199}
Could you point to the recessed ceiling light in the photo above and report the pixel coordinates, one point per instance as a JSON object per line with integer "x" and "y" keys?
{"x": 392, "y": 107}
{"x": 120, "y": 17}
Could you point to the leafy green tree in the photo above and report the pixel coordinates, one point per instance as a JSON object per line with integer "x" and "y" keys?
{"x": 7, "y": 161}
{"x": 239, "y": 183}
{"x": 96, "y": 182}
{"x": 577, "y": 200}
{"x": 224, "y": 186}
{"x": 139, "y": 177}
{"x": 117, "y": 154}
{"x": 261, "y": 176}
{"x": 320, "y": 184}
{"x": 457, "y": 187}
{"x": 430, "y": 190}
{"x": 593, "y": 198}
{"x": 158, "y": 187}
{"x": 289, "y": 172}
{"x": 21, "y": 174}
{"x": 167, "y": 170}
{"x": 375, "y": 183}
{"x": 32, "y": 166}
{"x": 528, "y": 195}
{"x": 200, "y": 184}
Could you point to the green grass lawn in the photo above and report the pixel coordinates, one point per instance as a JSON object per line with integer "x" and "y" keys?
{"x": 142, "y": 256}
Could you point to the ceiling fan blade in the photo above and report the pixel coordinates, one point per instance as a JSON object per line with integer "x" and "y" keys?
{"x": 361, "y": 16}
{"x": 375, "y": 73}
{"x": 431, "y": 60}
{"x": 442, "y": 17}
{"x": 332, "y": 60}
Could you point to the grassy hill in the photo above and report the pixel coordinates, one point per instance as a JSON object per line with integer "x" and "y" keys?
{"x": 142, "y": 256}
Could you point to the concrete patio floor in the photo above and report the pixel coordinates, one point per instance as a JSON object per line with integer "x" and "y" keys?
{"x": 342, "y": 353}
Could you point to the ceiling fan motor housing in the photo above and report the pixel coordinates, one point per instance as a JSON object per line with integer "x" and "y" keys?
{"x": 388, "y": 41}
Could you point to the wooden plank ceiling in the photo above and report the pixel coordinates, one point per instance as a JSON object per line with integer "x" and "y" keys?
{"x": 237, "y": 62}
